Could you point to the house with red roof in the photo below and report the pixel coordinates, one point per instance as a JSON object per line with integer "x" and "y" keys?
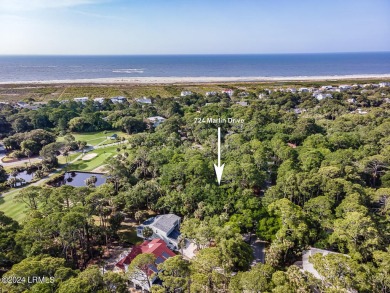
{"x": 158, "y": 248}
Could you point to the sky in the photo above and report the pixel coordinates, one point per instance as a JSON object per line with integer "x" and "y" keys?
{"x": 121, "y": 27}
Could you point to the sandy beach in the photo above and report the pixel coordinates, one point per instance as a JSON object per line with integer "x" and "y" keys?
{"x": 187, "y": 80}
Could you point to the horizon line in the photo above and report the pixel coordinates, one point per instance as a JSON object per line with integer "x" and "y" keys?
{"x": 188, "y": 54}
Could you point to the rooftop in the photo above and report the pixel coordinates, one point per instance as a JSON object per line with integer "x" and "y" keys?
{"x": 156, "y": 247}
{"x": 165, "y": 222}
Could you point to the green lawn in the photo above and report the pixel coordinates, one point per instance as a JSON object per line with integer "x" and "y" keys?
{"x": 11, "y": 208}
{"x": 95, "y": 138}
{"x": 102, "y": 155}
{"x": 17, "y": 210}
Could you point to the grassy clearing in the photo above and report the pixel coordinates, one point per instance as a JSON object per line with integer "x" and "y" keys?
{"x": 102, "y": 155}
{"x": 11, "y": 208}
{"x": 95, "y": 138}
{"x": 128, "y": 233}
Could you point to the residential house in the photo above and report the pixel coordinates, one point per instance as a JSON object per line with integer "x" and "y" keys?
{"x": 98, "y": 100}
{"x": 113, "y": 136}
{"x": 81, "y": 100}
{"x": 229, "y": 92}
{"x": 22, "y": 104}
{"x": 303, "y": 90}
{"x": 208, "y": 94}
{"x": 165, "y": 227}
{"x": 33, "y": 106}
{"x": 351, "y": 101}
{"x": 156, "y": 120}
{"x": 299, "y": 110}
{"x": 326, "y": 88}
{"x": 244, "y": 104}
{"x": 291, "y": 90}
{"x": 360, "y": 111}
{"x": 185, "y": 93}
{"x": 322, "y": 96}
{"x": 159, "y": 249}
{"x": 118, "y": 100}
{"x": 344, "y": 87}
{"x": 243, "y": 95}
{"x": 144, "y": 100}
{"x": 384, "y": 84}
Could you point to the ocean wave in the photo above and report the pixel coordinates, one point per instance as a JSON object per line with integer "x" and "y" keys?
{"x": 129, "y": 70}
{"x": 38, "y": 66}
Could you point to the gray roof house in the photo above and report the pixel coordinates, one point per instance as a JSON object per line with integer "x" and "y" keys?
{"x": 156, "y": 120}
{"x": 165, "y": 227}
{"x": 144, "y": 100}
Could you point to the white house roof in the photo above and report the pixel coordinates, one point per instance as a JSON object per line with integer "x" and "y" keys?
{"x": 156, "y": 118}
{"x": 144, "y": 101}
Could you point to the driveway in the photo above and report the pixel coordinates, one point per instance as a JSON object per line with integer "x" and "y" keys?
{"x": 258, "y": 248}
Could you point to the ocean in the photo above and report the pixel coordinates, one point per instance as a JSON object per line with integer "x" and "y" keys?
{"x": 47, "y": 68}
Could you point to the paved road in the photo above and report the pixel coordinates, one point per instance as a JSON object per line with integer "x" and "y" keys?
{"x": 258, "y": 248}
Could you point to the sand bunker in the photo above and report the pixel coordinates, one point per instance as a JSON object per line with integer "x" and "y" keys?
{"x": 89, "y": 156}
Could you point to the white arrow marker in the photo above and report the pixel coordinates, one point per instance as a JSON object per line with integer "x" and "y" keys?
{"x": 219, "y": 168}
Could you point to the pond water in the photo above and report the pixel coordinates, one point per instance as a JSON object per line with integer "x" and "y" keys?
{"x": 26, "y": 175}
{"x": 77, "y": 179}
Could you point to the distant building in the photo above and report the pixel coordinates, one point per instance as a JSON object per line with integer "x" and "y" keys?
{"x": 299, "y": 110}
{"x": 144, "y": 100}
{"x": 22, "y": 104}
{"x": 98, "y": 100}
{"x": 360, "y": 111}
{"x": 165, "y": 227}
{"x": 208, "y": 94}
{"x": 244, "y": 104}
{"x": 291, "y": 90}
{"x": 113, "y": 136}
{"x": 321, "y": 96}
{"x": 243, "y": 94}
{"x": 303, "y": 90}
{"x": 33, "y": 106}
{"x": 159, "y": 249}
{"x": 344, "y": 87}
{"x": 229, "y": 92}
{"x": 185, "y": 93}
{"x": 384, "y": 84}
{"x": 326, "y": 88}
{"x": 351, "y": 101}
{"x": 118, "y": 100}
{"x": 81, "y": 100}
{"x": 156, "y": 120}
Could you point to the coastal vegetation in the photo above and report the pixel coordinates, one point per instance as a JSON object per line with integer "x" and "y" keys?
{"x": 300, "y": 172}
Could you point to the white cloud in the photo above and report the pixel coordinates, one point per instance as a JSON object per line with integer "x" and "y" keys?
{"x": 23, "y": 5}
